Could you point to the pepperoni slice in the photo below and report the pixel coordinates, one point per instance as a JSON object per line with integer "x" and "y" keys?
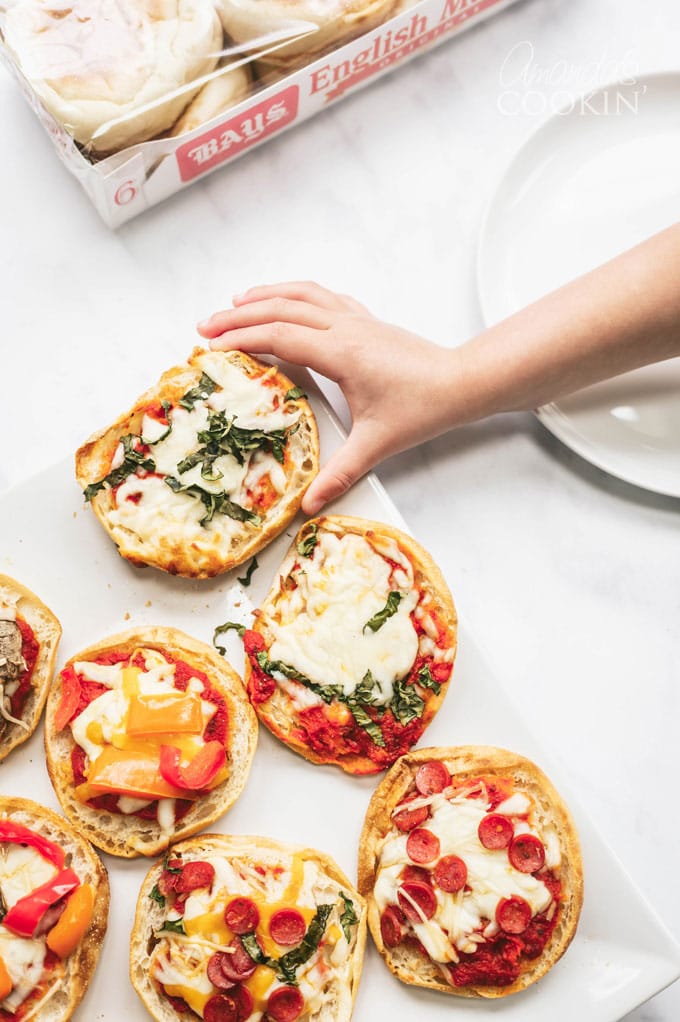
{"x": 424, "y": 897}
{"x": 409, "y": 873}
{"x": 495, "y": 831}
{"x": 287, "y": 927}
{"x": 237, "y": 965}
{"x": 244, "y": 1002}
{"x": 241, "y": 915}
{"x": 422, "y": 845}
{"x": 392, "y": 926}
{"x": 526, "y": 853}
{"x": 220, "y": 1008}
{"x": 409, "y": 819}
{"x": 285, "y": 1004}
{"x": 193, "y": 876}
{"x": 513, "y": 915}
{"x": 450, "y": 874}
{"x": 215, "y": 972}
{"x": 432, "y": 777}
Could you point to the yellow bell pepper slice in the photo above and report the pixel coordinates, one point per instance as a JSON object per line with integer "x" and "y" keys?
{"x": 163, "y": 714}
{"x": 70, "y": 928}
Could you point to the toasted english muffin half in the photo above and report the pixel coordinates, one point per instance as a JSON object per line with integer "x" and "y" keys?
{"x": 352, "y": 649}
{"x": 471, "y": 865}
{"x": 206, "y": 468}
{"x": 295, "y": 32}
{"x": 289, "y": 907}
{"x": 51, "y": 970}
{"x": 146, "y": 690}
{"x": 29, "y": 639}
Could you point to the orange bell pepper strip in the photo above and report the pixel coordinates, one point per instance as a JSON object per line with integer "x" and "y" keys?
{"x": 5, "y": 981}
{"x": 70, "y": 697}
{"x": 164, "y": 714}
{"x": 199, "y": 773}
{"x": 70, "y": 928}
{"x": 128, "y": 772}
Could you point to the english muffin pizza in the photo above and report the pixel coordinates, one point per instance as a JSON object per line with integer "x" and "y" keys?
{"x": 246, "y": 928}
{"x": 352, "y": 650}
{"x": 149, "y": 738}
{"x": 54, "y": 901}
{"x": 472, "y": 869}
{"x": 29, "y": 638}
{"x": 206, "y": 468}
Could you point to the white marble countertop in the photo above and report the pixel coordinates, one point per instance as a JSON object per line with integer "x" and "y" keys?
{"x": 567, "y": 578}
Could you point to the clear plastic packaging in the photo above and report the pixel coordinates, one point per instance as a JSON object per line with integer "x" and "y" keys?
{"x": 143, "y": 96}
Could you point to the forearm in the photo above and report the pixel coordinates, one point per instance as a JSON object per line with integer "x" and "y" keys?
{"x": 620, "y": 316}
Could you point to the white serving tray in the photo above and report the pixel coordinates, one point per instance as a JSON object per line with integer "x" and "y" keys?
{"x": 621, "y": 955}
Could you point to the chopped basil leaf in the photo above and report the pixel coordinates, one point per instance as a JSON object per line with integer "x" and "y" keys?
{"x": 174, "y": 925}
{"x": 250, "y": 943}
{"x": 221, "y": 629}
{"x": 327, "y": 692}
{"x": 390, "y": 608}
{"x": 406, "y": 704}
{"x": 308, "y": 541}
{"x": 286, "y": 966}
{"x": 366, "y": 722}
{"x": 156, "y": 895}
{"x": 203, "y": 389}
{"x": 294, "y": 394}
{"x": 214, "y": 503}
{"x": 427, "y": 681}
{"x": 248, "y": 577}
{"x": 310, "y": 942}
{"x": 223, "y": 438}
{"x": 132, "y": 460}
{"x": 349, "y": 917}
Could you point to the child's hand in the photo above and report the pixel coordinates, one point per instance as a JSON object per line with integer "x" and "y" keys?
{"x": 397, "y": 385}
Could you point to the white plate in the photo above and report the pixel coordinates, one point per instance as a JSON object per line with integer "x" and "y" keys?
{"x": 621, "y": 955}
{"x": 586, "y": 186}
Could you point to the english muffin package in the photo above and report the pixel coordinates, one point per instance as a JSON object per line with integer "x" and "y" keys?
{"x": 141, "y": 97}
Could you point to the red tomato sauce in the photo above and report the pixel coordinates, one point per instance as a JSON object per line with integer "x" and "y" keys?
{"x": 216, "y": 729}
{"x": 30, "y": 649}
{"x": 501, "y": 961}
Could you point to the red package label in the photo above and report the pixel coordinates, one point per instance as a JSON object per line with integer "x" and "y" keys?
{"x": 230, "y": 138}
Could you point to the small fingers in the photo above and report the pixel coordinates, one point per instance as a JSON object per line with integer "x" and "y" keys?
{"x": 270, "y": 310}
{"x": 344, "y": 469}
{"x": 298, "y": 290}
{"x": 298, "y": 344}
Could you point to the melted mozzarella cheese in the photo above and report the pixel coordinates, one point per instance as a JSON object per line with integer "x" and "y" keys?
{"x": 320, "y": 627}
{"x": 180, "y": 514}
{"x": 490, "y": 877}
{"x": 250, "y": 400}
{"x": 106, "y": 674}
{"x": 22, "y": 869}
{"x": 7, "y": 613}
{"x": 24, "y": 959}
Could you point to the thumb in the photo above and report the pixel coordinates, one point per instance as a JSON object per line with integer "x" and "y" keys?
{"x": 342, "y": 470}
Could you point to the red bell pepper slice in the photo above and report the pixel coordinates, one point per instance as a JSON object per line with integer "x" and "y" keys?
{"x": 16, "y": 834}
{"x": 203, "y": 768}
{"x": 70, "y": 698}
{"x": 26, "y": 913}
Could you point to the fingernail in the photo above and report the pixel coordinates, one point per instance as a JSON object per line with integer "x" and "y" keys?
{"x": 203, "y": 325}
{"x": 239, "y": 298}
